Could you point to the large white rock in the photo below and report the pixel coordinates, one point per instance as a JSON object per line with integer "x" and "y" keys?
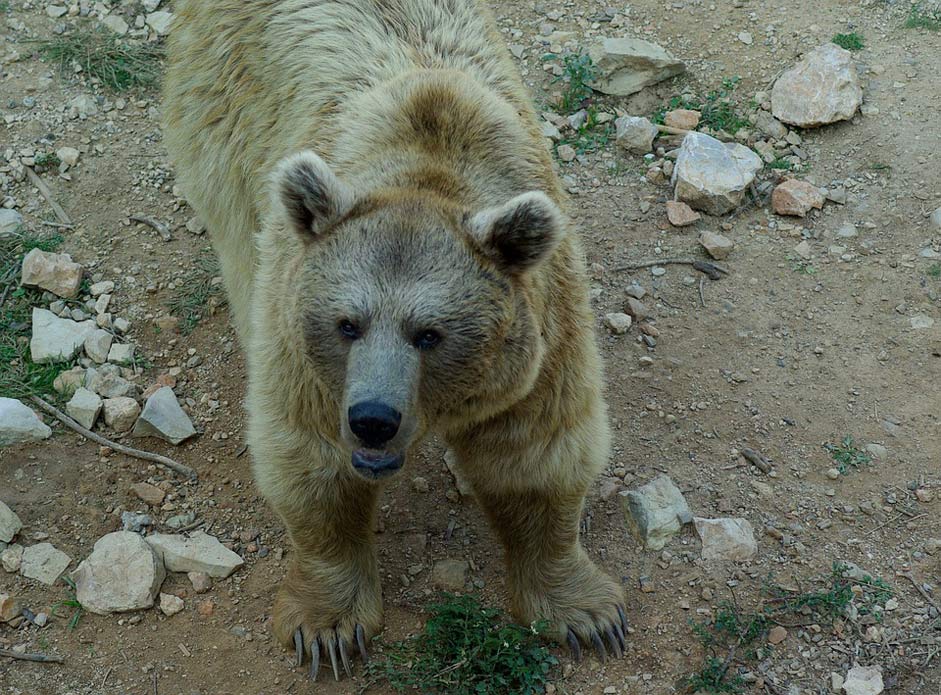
{"x": 863, "y": 680}
{"x": 625, "y": 66}
{"x": 20, "y": 423}
{"x": 726, "y": 539}
{"x": 198, "y": 553}
{"x": 84, "y": 407}
{"x": 635, "y": 134}
{"x": 713, "y": 176}
{"x": 10, "y": 523}
{"x": 160, "y": 22}
{"x": 10, "y": 222}
{"x": 44, "y": 563}
{"x": 120, "y": 413}
{"x": 655, "y": 512}
{"x": 98, "y": 345}
{"x": 55, "y": 339}
{"x": 822, "y": 88}
{"x": 107, "y": 382}
{"x": 52, "y": 271}
{"x": 164, "y": 418}
{"x": 123, "y": 573}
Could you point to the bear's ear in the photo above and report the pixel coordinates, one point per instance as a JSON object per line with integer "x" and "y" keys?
{"x": 309, "y": 195}
{"x": 521, "y": 233}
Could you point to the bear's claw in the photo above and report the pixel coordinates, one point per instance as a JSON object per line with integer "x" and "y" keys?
{"x": 614, "y": 634}
{"x": 332, "y": 644}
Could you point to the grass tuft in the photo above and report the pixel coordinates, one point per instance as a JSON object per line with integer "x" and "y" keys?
{"x": 846, "y": 455}
{"x": 579, "y": 71}
{"x": 71, "y": 602}
{"x": 465, "y": 649}
{"x": 719, "y": 110}
{"x": 119, "y": 65}
{"x": 191, "y": 301}
{"x": 851, "y": 41}
{"x": 921, "y": 17}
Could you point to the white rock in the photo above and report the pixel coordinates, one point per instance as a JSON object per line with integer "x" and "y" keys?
{"x": 198, "y": 553}
{"x": 101, "y": 304}
{"x": 85, "y": 105}
{"x": 822, "y": 88}
{"x": 716, "y": 245}
{"x": 120, "y": 413}
{"x": 10, "y": 523}
{"x": 655, "y": 512}
{"x": 160, "y": 22}
{"x": 170, "y": 604}
{"x": 19, "y": 423}
{"x": 55, "y": 339}
{"x": 618, "y": 323}
{"x": 726, "y": 539}
{"x": 44, "y": 563}
{"x": 935, "y": 219}
{"x": 84, "y": 407}
{"x": 921, "y": 322}
{"x": 55, "y": 272}
{"x": 107, "y": 382}
{"x": 56, "y": 11}
{"x": 625, "y": 66}
{"x": 10, "y": 222}
{"x": 803, "y": 250}
{"x": 68, "y": 381}
{"x": 121, "y": 353}
{"x": 12, "y": 558}
{"x": 68, "y": 155}
{"x": 151, "y": 5}
{"x": 635, "y": 134}
{"x": 712, "y": 176}
{"x": 122, "y": 325}
{"x": 164, "y": 418}
{"x": 863, "y": 680}
{"x": 100, "y": 288}
{"x": 116, "y": 24}
{"x": 98, "y": 345}
{"x": 123, "y": 573}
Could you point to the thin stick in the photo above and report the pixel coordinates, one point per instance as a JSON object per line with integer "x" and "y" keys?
{"x": 699, "y": 265}
{"x": 39, "y": 658}
{"x": 670, "y": 130}
{"x": 120, "y": 448}
{"x": 47, "y": 194}
{"x": 757, "y": 460}
{"x": 924, "y": 594}
{"x": 702, "y": 295}
{"x": 161, "y": 228}
{"x": 57, "y": 225}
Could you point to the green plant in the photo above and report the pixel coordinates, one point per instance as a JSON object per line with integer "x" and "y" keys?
{"x": 465, "y": 649}
{"x": 921, "y": 17}
{"x": 846, "y": 455}
{"x": 101, "y": 54}
{"x": 578, "y": 72}
{"x": 719, "y": 110}
{"x": 799, "y": 265}
{"x": 47, "y": 159}
{"x": 591, "y": 136}
{"x": 851, "y": 41}
{"x": 70, "y": 602}
{"x": 780, "y": 163}
{"x": 191, "y": 299}
{"x": 934, "y": 270}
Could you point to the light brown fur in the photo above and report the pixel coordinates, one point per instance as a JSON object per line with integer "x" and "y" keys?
{"x": 416, "y": 106}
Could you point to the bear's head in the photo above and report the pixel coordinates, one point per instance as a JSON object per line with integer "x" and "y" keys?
{"x": 415, "y": 312}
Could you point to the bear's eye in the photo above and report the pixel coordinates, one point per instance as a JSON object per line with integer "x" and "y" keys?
{"x": 349, "y": 330}
{"x": 426, "y": 340}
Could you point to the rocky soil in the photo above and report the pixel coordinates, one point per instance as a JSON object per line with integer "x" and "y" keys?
{"x": 768, "y": 293}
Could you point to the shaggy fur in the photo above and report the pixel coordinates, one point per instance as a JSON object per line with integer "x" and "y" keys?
{"x": 432, "y": 202}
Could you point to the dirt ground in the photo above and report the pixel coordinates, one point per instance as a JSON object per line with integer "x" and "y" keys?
{"x": 778, "y": 356}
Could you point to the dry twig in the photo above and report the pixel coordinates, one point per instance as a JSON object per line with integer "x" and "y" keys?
{"x": 47, "y": 194}
{"x": 162, "y": 229}
{"x": 38, "y": 658}
{"x": 120, "y": 448}
{"x": 711, "y": 269}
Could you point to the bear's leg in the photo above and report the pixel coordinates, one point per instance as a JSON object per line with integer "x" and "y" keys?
{"x": 550, "y": 575}
{"x": 330, "y": 602}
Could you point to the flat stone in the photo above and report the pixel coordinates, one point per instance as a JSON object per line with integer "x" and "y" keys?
{"x": 164, "y": 418}
{"x": 921, "y": 322}
{"x": 121, "y": 353}
{"x": 135, "y": 522}
{"x": 100, "y": 288}
{"x": 170, "y": 604}
{"x": 120, "y": 413}
{"x": 98, "y": 345}
{"x": 803, "y": 250}
{"x": 618, "y": 323}
{"x": 796, "y": 197}
{"x": 10, "y": 608}
{"x": 55, "y": 339}
{"x": 684, "y": 119}
{"x": 822, "y": 88}
{"x": 637, "y": 309}
{"x": 123, "y": 573}
{"x": 635, "y": 134}
{"x": 68, "y": 156}
{"x": 10, "y": 222}
{"x": 450, "y": 575}
{"x": 108, "y": 383}
{"x": 713, "y": 176}
{"x": 726, "y": 539}
{"x": 44, "y": 563}
{"x": 877, "y": 451}
{"x": 716, "y": 245}
{"x": 201, "y": 581}
{"x": 655, "y": 512}
{"x": 198, "y": 553}
{"x": 84, "y": 407}
{"x": 10, "y": 523}
{"x": 160, "y": 22}
{"x": 770, "y": 126}
{"x": 777, "y": 634}
{"x": 12, "y": 558}
{"x": 680, "y": 214}
{"x": 85, "y": 105}
{"x": 19, "y": 423}
{"x": 936, "y": 218}
{"x": 625, "y": 66}
{"x": 116, "y": 24}
{"x": 864, "y": 680}
{"x": 151, "y": 494}
{"x": 54, "y": 272}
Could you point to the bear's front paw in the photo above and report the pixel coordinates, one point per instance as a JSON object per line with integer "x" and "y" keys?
{"x": 333, "y": 625}
{"x": 585, "y": 608}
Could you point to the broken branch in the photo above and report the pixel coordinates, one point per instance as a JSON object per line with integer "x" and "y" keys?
{"x": 47, "y": 194}
{"x": 162, "y": 229}
{"x": 39, "y": 658}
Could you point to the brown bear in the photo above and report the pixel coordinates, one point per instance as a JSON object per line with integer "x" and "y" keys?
{"x": 389, "y": 228}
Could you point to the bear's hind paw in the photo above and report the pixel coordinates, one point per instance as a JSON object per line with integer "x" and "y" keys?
{"x": 336, "y": 647}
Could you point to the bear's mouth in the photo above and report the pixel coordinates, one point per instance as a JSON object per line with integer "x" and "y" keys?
{"x": 374, "y": 465}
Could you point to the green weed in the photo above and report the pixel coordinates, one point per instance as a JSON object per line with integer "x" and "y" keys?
{"x": 934, "y": 270}
{"x": 921, "y": 17}
{"x": 102, "y": 55}
{"x": 579, "y": 71}
{"x": 47, "y": 159}
{"x": 71, "y": 602}
{"x": 851, "y": 41}
{"x": 780, "y": 163}
{"x": 846, "y": 455}
{"x": 799, "y": 265}
{"x": 719, "y": 110}
{"x": 193, "y": 294}
{"x": 465, "y": 649}
{"x": 591, "y": 136}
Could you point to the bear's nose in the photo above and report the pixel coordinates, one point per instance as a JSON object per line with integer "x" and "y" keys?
{"x": 374, "y": 423}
